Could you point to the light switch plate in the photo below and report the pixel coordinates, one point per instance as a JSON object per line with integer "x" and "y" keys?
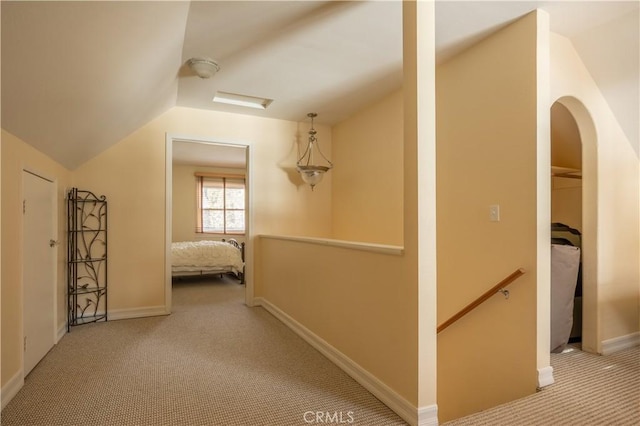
{"x": 494, "y": 213}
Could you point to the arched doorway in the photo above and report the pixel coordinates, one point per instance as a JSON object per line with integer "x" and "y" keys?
{"x": 574, "y": 202}
{"x": 566, "y": 229}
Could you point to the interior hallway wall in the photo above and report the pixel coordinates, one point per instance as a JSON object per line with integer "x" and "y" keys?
{"x": 368, "y": 183}
{"x": 487, "y": 138}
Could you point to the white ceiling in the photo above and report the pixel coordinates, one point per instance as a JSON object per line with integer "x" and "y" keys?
{"x": 78, "y": 77}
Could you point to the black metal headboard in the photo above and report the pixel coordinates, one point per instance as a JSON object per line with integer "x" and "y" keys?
{"x": 236, "y": 244}
{"x": 239, "y": 246}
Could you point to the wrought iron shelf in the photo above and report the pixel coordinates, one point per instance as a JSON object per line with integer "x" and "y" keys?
{"x": 86, "y": 290}
{"x": 93, "y": 259}
{"x": 96, "y": 200}
{"x": 87, "y": 258}
{"x": 91, "y": 319}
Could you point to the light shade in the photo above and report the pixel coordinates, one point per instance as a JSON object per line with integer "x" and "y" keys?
{"x": 203, "y": 67}
{"x": 312, "y": 175}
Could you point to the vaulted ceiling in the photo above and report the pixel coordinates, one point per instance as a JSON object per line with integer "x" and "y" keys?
{"x": 78, "y": 77}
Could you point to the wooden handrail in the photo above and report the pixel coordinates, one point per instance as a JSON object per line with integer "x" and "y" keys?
{"x": 471, "y": 306}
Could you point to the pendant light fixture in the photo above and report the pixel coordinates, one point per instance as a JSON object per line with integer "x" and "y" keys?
{"x": 311, "y": 171}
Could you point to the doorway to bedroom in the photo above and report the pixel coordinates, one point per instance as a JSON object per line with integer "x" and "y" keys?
{"x": 207, "y": 220}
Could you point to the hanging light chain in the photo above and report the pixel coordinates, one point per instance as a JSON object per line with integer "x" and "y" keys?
{"x": 312, "y": 138}
{"x": 312, "y": 173}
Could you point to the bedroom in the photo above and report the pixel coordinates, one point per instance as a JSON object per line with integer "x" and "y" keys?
{"x": 197, "y": 241}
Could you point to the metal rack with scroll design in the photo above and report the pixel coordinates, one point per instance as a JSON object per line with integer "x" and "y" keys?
{"x": 87, "y": 258}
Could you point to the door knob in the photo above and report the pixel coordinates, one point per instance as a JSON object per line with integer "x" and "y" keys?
{"x": 53, "y": 243}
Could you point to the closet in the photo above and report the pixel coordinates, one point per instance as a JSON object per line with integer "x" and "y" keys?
{"x": 566, "y": 229}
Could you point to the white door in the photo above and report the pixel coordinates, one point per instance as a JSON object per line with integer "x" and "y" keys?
{"x": 38, "y": 268}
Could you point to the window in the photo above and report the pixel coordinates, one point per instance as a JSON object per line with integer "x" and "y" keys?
{"x": 220, "y": 204}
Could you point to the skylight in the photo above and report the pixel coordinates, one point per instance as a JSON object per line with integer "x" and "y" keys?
{"x": 242, "y": 100}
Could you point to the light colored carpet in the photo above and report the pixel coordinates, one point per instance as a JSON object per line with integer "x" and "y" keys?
{"x": 589, "y": 390}
{"x": 214, "y": 361}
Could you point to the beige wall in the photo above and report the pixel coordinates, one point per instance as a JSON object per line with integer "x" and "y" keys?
{"x": 566, "y": 146}
{"x": 360, "y": 303}
{"x": 486, "y": 155}
{"x": 566, "y": 201}
{"x": 132, "y": 176}
{"x": 377, "y": 309}
{"x": 183, "y": 217}
{"x": 611, "y": 219}
{"x": 183, "y": 212}
{"x": 367, "y": 185}
{"x": 17, "y": 155}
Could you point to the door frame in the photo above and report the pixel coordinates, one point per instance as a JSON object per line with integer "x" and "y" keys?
{"x": 55, "y": 236}
{"x": 248, "y": 250}
{"x": 591, "y": 333}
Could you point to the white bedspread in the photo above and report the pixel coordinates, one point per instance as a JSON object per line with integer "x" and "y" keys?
{"x": 193, "y": 255}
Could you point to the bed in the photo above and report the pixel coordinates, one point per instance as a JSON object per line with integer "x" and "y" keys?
{"x": 190, "y": 258}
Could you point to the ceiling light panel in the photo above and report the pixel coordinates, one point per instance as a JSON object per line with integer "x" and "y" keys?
{"x": 242, "y": 100}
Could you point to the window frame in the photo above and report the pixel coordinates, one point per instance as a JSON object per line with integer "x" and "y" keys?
{"x": 223, "y": 177}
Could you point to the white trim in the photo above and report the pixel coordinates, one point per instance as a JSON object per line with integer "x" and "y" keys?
{"x": 428, "y": 416}
{"x": 248, "y": 246}
{"x": 62, "y": 330}
{"x": 620, "y": 343}
{"x": 11, "y": 388}
{"x": 36, "y": 173}
{"x": 150, "y": 311}
{"x": 376, "y": 248}
{"x": 248, "y": 249}
{"x": 380, "y": 390}
{"x": 168, "y": 221}
{"x": 545, "y": 376}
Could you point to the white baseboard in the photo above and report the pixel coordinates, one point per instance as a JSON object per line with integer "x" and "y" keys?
{"x": 11, "y": 388}
{"x": 151, "y": 311}
{"x": 428, "y": 416}
{"x": 62, "y": 330}
{"x": 545, "y": 376}
{"x": 619, "y": 343}
{"x": 384, "y": 393}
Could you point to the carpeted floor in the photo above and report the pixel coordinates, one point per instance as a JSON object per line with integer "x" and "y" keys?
{"x": 589, "y": 390}
{"x": 212, "y": 362}
{"x": 216, "y": 362}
